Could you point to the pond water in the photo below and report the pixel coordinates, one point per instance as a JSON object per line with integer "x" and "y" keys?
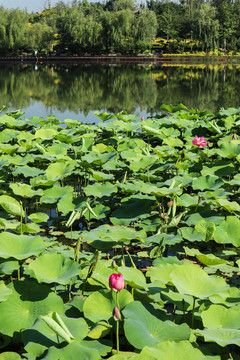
{"x": 76, "y": 90}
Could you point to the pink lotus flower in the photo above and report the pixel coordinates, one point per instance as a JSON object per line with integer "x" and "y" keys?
{"x": 116, "y": 282}
{"x": 199, "y": 141}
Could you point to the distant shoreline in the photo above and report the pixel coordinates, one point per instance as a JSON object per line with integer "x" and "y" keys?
{"x": 113, "y": 59}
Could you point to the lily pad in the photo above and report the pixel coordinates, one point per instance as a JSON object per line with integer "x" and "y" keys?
{"x": 192, "y": 280}
{"x": 218, "y": 316}
{"x": 143, "y": 329}
{"x": 27, "y": 301}
{"x": 54, "y": 268}
{"x": 104, "y": 301}
{"x": 20, "y": 247}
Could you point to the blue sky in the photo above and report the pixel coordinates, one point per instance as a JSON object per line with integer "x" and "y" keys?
{"x": 31, "y": 5}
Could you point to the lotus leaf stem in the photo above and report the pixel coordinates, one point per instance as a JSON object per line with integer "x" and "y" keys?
{"x": 193, "y": 310}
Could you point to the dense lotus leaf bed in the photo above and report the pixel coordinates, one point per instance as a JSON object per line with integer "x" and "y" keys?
{"x": 79, "y": 202}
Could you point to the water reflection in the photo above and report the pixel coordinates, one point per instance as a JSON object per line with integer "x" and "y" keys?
{"x": 84, "y": 88}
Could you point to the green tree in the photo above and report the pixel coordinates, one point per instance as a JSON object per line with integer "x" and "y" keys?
{"x": 227, "y": 20}
{"x": 16, "y": 28}
{"x": 207, "y": 26}
{"x": 39, "y": 36}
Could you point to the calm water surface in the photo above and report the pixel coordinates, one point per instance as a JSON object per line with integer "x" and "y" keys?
{"x": 76, "y": 91}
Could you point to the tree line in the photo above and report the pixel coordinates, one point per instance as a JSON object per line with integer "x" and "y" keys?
{"x": 122, "y": 26}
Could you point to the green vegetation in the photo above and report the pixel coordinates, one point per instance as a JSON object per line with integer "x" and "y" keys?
{"x": 156, "y": 201}
{"x": 123, "y": 27}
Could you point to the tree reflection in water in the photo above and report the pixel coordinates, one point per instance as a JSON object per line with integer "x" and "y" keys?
{"x": 83, "y": 88}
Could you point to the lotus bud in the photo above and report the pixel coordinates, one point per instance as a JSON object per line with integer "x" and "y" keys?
{"x": 234, "y": 137}
{"x": 170, "y": 203}
{"x": 114, "y": 264}
{"x": 142, "y": 118}
{"x": 116, "y": 314}
{"x": 116, "y": 282}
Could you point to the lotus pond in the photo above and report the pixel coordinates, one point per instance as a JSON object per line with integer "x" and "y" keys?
{"x": 155, "y": 200}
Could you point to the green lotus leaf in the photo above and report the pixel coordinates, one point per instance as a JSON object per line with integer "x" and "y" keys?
{"x": 38, "y": 217}
{"x": 4, "y": 291}
{"x": 218, "y": 168}
{"x": 206, "y": 259}
{"x": 25, "y": 190}
{"x": 38, "y": 338}
{"x": 228, "y": 231}
{"x": 222, "y": 337}
{"x": 150, "y": 130}
{"x": 210, "y": 259}
{"x": 8, "y": 355}
{"x": 27, "y": 171}
{"x": 187, "y": 200}
{"x": 8, "y": 149}
{"x": 144, "y": 329}
{"x": 101, "y": 329}
{"x": 173, "y": 141}
{"x": 28, "y": 228}
{"x": 101, "y": 176}
{"x": 20, "y": 247}
{"x": 162, "y": 272}
{"x": 100, "y": 190}
{"x": 228, "y": 205}
{"x": 7, "y": 135}
{"x": 8, "y": 267}
{"x": 177, "y": 299}
{"x": 229, "y": 149}
{"x": 27, "y": 301}
{"x": 55, "y": 194}
{"x": 155, "y": 190}
{"x": 113, "y": 234}
{"x": 144, "y": 162}
{"x": 46, "y": 133}
{"x": 104, "y": 301}
{"x": 235, "y": 180}
{"x": 207, "y": 228}
{"x": 104, "y": 115}
{"x": 100, "y": 210}
{"x": 218, "y": 316}
{"x": 57, "y": 149}
{"x": 67, "y": 328}
{"x": 209, "y": 182}
{"x": 171, "y": 350}
{"x": 59, "y": 170}
{"x": 133, "y": 277}
{"x": 191, "y": 234}
{"x": 127, "y": 117}
{"x": 25, "y": 135}
{"x": 133, "y": 208}
{"x": 100, "y": 275}
{"x": 98, "y": 158}
{"x": 72, "y": 351}
{"x": 103, "y": 346}
{"x": 192, "y": 280}
{"x": 11, "y": 205}
{"x": 54, "y": 268}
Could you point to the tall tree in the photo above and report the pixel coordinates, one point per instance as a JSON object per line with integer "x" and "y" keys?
{"x": 227, "y": 20}
{"x": 207, "y": 26}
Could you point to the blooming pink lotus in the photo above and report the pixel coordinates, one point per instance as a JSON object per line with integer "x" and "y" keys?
{"x": 199, "y": 141}
{"x": 116, "y": 282}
